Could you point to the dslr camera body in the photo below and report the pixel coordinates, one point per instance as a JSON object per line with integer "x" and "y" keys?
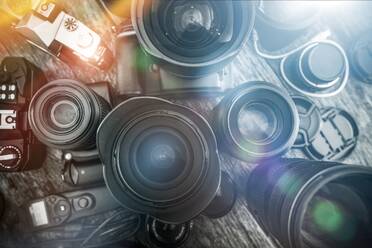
{"x": 19, "y": 149}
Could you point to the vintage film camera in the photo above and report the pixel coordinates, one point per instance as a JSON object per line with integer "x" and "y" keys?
{"x": 19, "y": 149}
{"x": 54, "y": 31}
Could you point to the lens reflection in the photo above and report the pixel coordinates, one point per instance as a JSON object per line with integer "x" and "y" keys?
{"x": 161, "y": 157}
{"x": 256, "y": 122}
{"x": 338, "y": 216}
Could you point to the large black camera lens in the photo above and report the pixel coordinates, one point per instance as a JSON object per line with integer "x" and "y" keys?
{"x": 313, "y": 204}
{"x": 193, "y": 37}
{"x": 256, "y": 120}
{"x": 160, "y": 159}
{"x": 65, "y": 114}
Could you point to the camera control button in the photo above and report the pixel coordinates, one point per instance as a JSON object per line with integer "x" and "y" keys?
{"x": 83, "y": 202}
{"x": 85, "y": 40}
{"x": 10, "y": 157}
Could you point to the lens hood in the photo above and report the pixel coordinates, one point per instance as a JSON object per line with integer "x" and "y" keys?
{"x": 192, "y": 38}
{"x": 255, "y": 121}
{"x": 159, "y": 159}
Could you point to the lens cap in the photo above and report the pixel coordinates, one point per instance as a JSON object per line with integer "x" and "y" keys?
{"x": 162, "y": 235}
{"x": 310, "y": 121}
{"x": 159, "y": 159}
{"x": 337, "y": 137}
{"x": 361, "y": 58}
{"x": 255, "y": 121}
{"x": 319, "y": 70}
{"x": 225, "y": 199}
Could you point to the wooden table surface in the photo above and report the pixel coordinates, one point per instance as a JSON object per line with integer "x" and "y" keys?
{"x": 238, "y": 229}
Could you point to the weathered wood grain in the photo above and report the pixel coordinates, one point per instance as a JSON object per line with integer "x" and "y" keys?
{"x": 238, "y": 229}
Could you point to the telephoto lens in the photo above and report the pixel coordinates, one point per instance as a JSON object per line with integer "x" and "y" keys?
{"x": 312, "y": 204}
{"x": 256, "y": 120}
{"x": 159, "y": 159}
{"x": 192, "y": 38}
{"x": 65, "y": 114}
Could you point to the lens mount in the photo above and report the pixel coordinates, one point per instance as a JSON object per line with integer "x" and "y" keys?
{"x": 256, "y": 120}
{"x": 192, "y": 38}
{"x": 65, "y": 114}
{"x": 163, "y": 160}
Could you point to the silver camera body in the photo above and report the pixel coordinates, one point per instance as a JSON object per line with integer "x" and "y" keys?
{"x": 54, "y": 31}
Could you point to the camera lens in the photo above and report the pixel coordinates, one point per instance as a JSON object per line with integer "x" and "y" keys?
{"x": 162, "y": 235}
{"x": 193, "y": 37}
{"x": 256, "y": 120}
{"x": 162, "y": 160}
{"x": 287, "y": 15}
{"x": 65, "y": 114}
{"x": 313, "y": 203}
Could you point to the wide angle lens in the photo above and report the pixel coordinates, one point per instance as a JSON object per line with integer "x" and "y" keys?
{"x": 193, "y": 37}
{"x": 256, "y": 120}
{"x": 313, "y": 204}
{"x": 65, "y": 114}
{"x": 160, "y": 159}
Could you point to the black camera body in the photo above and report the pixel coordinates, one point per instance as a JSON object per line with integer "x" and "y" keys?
{"x": 19, "y": 148}
{"x": 139, "y": 74}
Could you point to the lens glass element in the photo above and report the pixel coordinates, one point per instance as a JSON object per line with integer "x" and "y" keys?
{"x": 161, "y": 157}
{"x": 256, "y": 122}
{"x": 64, "y": 114}
{"x": 193, "y": 32}
{"x": 340, "y": 215}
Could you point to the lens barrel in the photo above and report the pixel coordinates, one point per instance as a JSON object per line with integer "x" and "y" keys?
{"x": 192, "y": 38}
{"x": 159, "y": 159}
{"x": 65, "y": 114}
{"x": 256, "y": 120}
{"x": 312, "y": 204}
